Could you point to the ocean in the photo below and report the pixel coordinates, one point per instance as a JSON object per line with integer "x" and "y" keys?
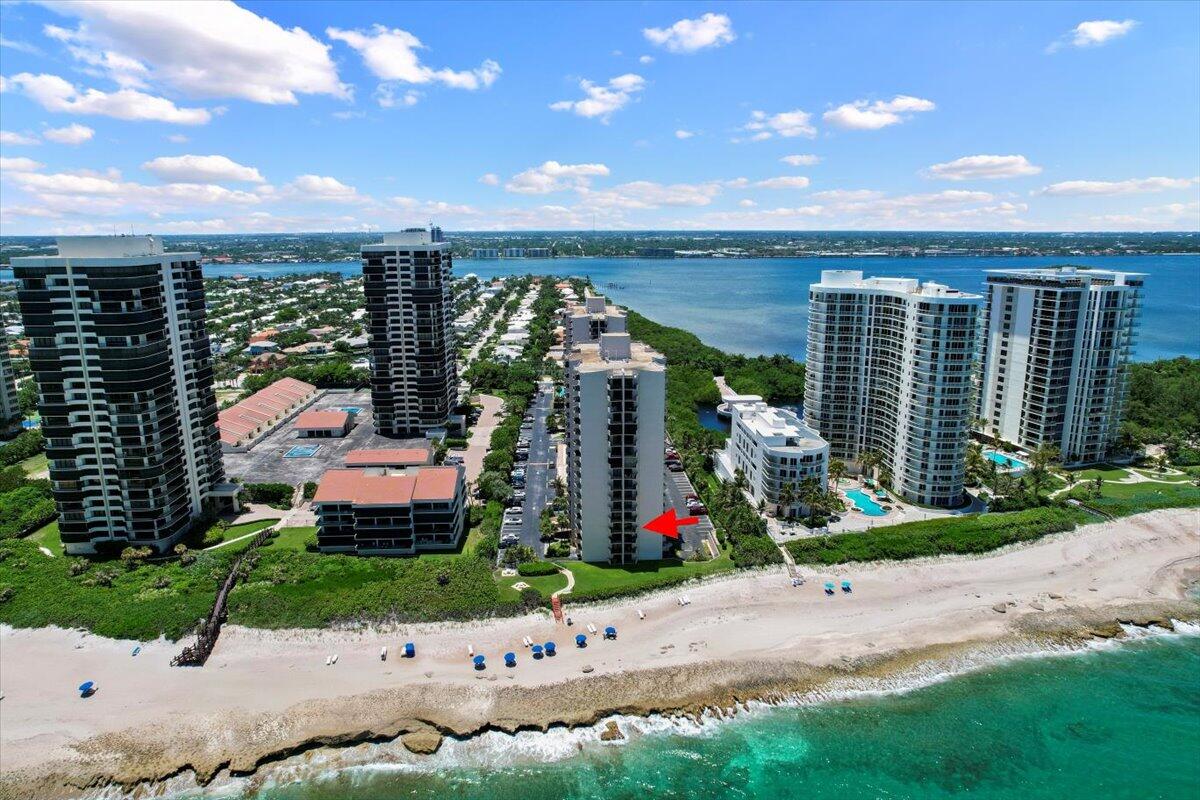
{"x": 759, "y": 306}
{"x": 1118, "y": 721}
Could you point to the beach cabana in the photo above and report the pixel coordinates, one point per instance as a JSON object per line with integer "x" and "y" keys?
{"x": 87, "y": 688}
{"x": 510, "y": 659}
{"x": 478, "y": 662}
{"x": 550, "y": 648}
{"x": 610, "y": 632}
{"x": 410, "y": 650}
{"x": 846, "y": 586}
{"x": 537, "y": 651}
{"x": 828, "y": 587}
{"x": 580, "y": 640}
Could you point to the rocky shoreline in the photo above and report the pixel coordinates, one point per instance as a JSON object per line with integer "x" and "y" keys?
{"x": 419, "y": 719}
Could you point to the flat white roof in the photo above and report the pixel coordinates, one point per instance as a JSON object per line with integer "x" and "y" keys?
{"x": 853, "y": 279}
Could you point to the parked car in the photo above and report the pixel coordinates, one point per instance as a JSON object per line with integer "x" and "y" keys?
{"x": 675, "y": 466}
{"x": 522, "y": 455}
{"x": 697, "y": 509}
{"x": 519, "y": 494}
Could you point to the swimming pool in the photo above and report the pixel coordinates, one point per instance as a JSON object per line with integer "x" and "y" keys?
{"x": 865, "y": 503}
{"x": 302, "y": 451}
{"x": 1007, "y": 462}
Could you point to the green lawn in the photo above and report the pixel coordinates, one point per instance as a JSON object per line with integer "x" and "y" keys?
{"x": 546, "y": 584}
{"x": 1123, "y": 499}
{"x": 1171, "y": 478}
{"x": 35, "y": 464}
{"x": 236, "y": 531}
{"x": 1106, "y": 471}
{"x": 290, "y": 538}
{"x": 595, "y": 581}
{"x": 47, "y": 537}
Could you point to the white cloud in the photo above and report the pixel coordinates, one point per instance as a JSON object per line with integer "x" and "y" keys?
{"x": 979, "y": 167}
{"x": 208, "y": 49}
{"x": 787, "y": 124}
{"x": 489, "y": 179}
{"x": 1130, "y": 186}
{"x": 201, "y": 169}
{"x": 19, "y": 164}
{"x": 177, "y": 138}
{"x": 125, "y": 71}
{"x": 71, "y": 134}
{"x": 391, "y": 55}
{"x": 747, "y": 203}
{"x": 682, "y": 134}
{"x": 56, "y": 94}
{"x": 784, "y": 182}
{"x": 646, "y": 59}
{"x": 602, "y": 101}
{"x": 389, "y": 96}
{"x": 433, "y": 208}
{"x": 801, "y": 160}
{"x": 862, "y": 115}
{"x": 1093, "y": 33}
{"x": 552, "y": 176}
{"x": 321, "y": 187}
{"x": 847, "y": 195}
{"x": 23, "y": 47}
{"x": 13, "y": 138}
{"x": 690, "y": 35}
{"x": 647, "y": 194}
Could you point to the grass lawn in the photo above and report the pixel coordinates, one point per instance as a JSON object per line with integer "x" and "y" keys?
{"x": 546, "y": 584}
{"x": 290, "y": 539}
{"x": 35, "y": 464}
{"x": 236, "y": 531}
{"x": 1105, "y": 471}
{"x": 1133, "y": 498}
{"x": 603, "y": 580}
{"x": 47, "y": 537}
{"x": 1171, "y": 478}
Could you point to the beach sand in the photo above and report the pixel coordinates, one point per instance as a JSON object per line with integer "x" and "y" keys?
{"x": 265, "y": 695}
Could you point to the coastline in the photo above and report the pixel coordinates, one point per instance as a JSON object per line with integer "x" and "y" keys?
{"x": 267, "y": 695}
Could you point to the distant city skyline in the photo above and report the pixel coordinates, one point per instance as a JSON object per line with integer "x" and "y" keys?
{"x": 181, "y": 118}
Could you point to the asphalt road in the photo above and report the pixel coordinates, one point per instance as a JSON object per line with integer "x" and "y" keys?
{"x": 691, "y": 536}
{"x": 539, "y": 470}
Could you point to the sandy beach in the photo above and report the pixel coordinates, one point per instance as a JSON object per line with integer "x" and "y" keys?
{"x": 267, "y": 694}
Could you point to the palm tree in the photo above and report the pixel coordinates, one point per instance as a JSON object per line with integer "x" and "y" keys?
{"x": 837, "y": 471}
{"x": 809, "y": 493}
{"x": 1040, "y": 462}
{"x": 739, "y": 479}
{"x": 885, "y": 478}
{"x": 870, "y": 460}
{"x": 787, "y": 496}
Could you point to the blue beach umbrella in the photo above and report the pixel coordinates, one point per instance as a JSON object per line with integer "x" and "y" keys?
{"x": 580, "y": 640}
{"x": 537, "y": 651}
{"x": 86, "y": 687}
{"x": 845, "y": 586}
{"x": 478, "y": 662}
{"x": 409, "y": 650}
{"x": 829, "y": 587}
{"x": 510, "y": 659}
{"x": 610, "y": 632}
{"x": 549, "y": 648}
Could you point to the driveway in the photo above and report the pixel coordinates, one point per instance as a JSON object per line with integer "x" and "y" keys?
{"x": 481, "y": 435}
{"x": 691, "y": 537}
{"x": 540, "y": 469}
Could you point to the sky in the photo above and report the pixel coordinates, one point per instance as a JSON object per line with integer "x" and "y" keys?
{"x": 215, "y": 117}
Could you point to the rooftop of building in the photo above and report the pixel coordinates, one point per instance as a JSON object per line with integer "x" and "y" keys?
{"x": 853, "y": 279}
{"x": 616, "y": 350}
{"x": 410, "y": 237}
{"x": 1065, "y": 274}
{"x": 361, "y": 488}
{"x": 389, "y": 457}
{"x": 264, "y": 406}
{"x": 105, "y": 247}
{"x": 322, "y": 420}
{"x": 780, "y": 427}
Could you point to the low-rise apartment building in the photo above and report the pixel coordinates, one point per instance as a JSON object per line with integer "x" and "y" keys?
{"x": 773, "y": 449}
{"x": 379, "y": 511}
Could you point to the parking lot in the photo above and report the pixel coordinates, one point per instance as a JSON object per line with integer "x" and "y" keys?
{"x": 265, "y": 462}
{"x": 691, "y": 537}
{"x": 540, "y": 471}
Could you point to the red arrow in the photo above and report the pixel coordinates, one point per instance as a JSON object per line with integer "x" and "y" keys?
{"x": 668, "y": 524}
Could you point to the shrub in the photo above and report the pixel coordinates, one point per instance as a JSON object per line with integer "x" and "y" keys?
{"x": 970, "y": 533}
{"x": 530, "y": 598}
{"x": 276, "y": 495}
{"x": 310, "y": 490}
{"x": 558, "y": 549}
{"x": 533, "y": 569}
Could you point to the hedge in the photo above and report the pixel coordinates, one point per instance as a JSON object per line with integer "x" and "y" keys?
{"x": 534, "y": 569}
{"x": 970, "y": 533}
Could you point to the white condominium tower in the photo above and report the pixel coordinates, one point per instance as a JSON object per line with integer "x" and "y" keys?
{"x": 410, "y": 321}
{"x": 1056, "y": 356}
{"x": 773, "y": 448}
{"x": 124, "y": 372}
{"x": 10, "y": 406}
{"x": 890, "y": 369}
{"x": 616, "y": 399}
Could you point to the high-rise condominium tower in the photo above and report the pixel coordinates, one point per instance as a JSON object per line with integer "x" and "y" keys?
{"x": 616, "y": 397}
{"x": 890, "y": 370}
{"x": 585, "y": 322}
{"x": 10, "y": 406}
{"x": 410, "y": 313}
{"x": 121, "y": 357}
{"x": 1056, "y": 358}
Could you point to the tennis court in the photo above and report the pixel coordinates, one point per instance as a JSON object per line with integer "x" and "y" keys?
{"x": 302, "y": 451}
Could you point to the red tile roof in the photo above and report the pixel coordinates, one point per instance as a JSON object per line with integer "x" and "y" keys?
{"x": 322, "y": 420}
{"x": 358, "y": 488}
{"x": 398, "y": 457}
{"x": 262, "y": 408}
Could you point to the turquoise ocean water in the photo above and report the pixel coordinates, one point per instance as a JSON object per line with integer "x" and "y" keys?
{"x": 759, "y": 306}
{"x": 1120, "y": 722}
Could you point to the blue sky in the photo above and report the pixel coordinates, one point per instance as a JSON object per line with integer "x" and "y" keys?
{"x": 177, "y": 118}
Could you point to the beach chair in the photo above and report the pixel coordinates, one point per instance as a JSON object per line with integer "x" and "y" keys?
{"x": 470, "y": 651}
{"x": 641, "y": 614}
{"x": 846, "y": 587}
{"x": 335, "y": 657}
{"x": 383, "y": 654}
{"x": 591, "y": 629}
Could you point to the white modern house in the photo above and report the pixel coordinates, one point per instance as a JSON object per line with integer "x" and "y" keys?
{"x": 890, "y": 369}
{"x": 616, "y": 402}
{"x": 773, "y": 448}
{"x": 1055, "y": 360}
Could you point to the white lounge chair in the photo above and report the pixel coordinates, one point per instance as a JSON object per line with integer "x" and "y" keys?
{"x": 641, "y": 614}
{"x": 470, "y": 651}
{"x": 383, "y": 654}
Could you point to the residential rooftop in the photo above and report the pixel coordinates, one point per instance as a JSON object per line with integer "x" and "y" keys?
{"x": 1064, "y": 274}
{"x": 853, "y": 279}
{"x": 616, "y": 350}
{"x": 388, "y": 457}
{"x": 361, "y": 488}
{"x": 777, "y": 427}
